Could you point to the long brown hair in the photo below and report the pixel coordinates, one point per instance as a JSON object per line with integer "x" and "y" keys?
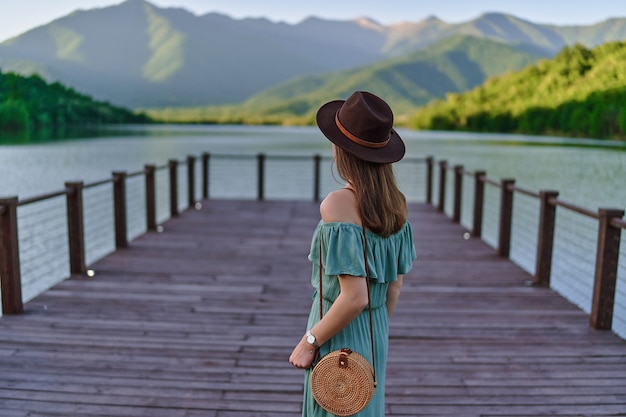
{"x": 381, "y": 204}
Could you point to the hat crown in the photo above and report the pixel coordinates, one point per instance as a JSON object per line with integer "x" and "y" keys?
{"x": 367, "y": 117}
{"x": 363, "y": 126}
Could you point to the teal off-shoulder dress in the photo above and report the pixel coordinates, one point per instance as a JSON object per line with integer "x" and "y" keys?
{"x": 342, "y": 253}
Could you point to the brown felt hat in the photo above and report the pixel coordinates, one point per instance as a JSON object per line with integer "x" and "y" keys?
{"x": 363, "y": 126}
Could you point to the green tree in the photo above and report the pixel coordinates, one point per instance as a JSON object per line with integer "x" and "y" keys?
{"x": 14, "y": 115}
{"x": 579, "y": 122}
{"x": 622, "y": 122}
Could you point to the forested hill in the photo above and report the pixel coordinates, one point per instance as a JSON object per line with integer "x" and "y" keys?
{"x": 581, "y": 93}
{"x": 31, "y": 103}
{"x": 407, "y": 82}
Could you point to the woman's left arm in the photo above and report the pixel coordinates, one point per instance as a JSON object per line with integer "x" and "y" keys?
{"x": 393, "y": 293}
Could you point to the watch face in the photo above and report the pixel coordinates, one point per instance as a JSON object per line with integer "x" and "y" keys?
{"x": 310, "y": 339}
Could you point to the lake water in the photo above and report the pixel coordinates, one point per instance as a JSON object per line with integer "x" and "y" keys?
{"x": 587, "y": 173}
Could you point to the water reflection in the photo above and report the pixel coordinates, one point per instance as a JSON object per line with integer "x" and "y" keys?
{"x": 42, "y": 136}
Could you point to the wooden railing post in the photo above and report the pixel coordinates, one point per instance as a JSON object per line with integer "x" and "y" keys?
{"x": 75, "y": 227}
{"x": 317, "y": 159}
{"x": 506, "y": 217}
{"x": 261, "y": 176}
{"x": 173, "y": 168}
{"x": 150, "y": 197}
{"x": 443, "y": 166}
{"x": 119, "y": 209}
{"x": 191, "y": 181}
{"x": 430, "y": 162}
{"x": 205, "y": 175}
{"x": 458, "y": 193}
{"x": 607, "y": 259}
{"x": 10, "y": 277}
{"x": 545, "y": 240}
{"x": 479, "y": 203}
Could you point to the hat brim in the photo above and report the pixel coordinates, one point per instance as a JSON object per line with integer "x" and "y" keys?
{"x": 392, "y": 152}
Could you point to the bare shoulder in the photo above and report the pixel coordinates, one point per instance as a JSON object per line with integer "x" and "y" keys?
{"x": 340, "y": 206}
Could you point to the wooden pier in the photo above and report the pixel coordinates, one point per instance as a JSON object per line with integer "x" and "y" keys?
{"x": 199, "y": 320}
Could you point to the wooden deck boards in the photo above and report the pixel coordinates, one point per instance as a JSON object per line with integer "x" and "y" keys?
{"x": 200, "y": 320}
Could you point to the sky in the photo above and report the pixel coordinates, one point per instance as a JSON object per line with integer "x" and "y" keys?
{"x": 18, "y": 16}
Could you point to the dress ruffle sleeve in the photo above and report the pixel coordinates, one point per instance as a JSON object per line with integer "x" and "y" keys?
{"x": 342, "y": 246}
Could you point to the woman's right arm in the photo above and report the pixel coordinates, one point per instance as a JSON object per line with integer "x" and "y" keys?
{"x": 393, "y": 293}
{"x": 351, "y": 301}
{"x": 338, "y": 206}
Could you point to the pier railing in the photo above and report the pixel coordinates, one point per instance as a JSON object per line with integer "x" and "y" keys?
{"x": 606, "y": 295}
{"x": 141, "y": 201}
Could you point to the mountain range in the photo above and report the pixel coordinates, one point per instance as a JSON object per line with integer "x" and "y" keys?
{"x": 138, "y": 55}
{"x": 454, "y": 64}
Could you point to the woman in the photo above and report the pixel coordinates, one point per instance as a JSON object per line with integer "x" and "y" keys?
{"x": 364, "y": 145}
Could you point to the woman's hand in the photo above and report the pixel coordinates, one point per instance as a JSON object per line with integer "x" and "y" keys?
{"x": 303, "y": 355}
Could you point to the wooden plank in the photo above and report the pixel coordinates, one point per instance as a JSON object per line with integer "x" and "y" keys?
{"x": 200, "y": 321}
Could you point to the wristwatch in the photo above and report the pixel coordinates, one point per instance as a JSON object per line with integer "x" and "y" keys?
{"x": 310, "y": 339}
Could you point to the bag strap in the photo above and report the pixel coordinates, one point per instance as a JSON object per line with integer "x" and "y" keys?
{"x": 369, "y": 300}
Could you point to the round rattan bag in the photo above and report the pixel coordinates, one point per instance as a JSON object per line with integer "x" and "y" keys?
{"x": 343, "y": 382}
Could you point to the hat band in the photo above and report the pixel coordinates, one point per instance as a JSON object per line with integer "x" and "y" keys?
{"x": 356, "y": 139}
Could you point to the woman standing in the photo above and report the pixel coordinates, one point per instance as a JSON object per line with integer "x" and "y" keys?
{"x": 364, "y": 145}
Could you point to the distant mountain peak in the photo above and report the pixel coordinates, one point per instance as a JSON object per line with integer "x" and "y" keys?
{"x": 134, "y": 3}
{"x": 366, "y": 22}
{"x": 493, "y": 14}
{"x": 500, "y": 16}
{"x": 433, "y": 19}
